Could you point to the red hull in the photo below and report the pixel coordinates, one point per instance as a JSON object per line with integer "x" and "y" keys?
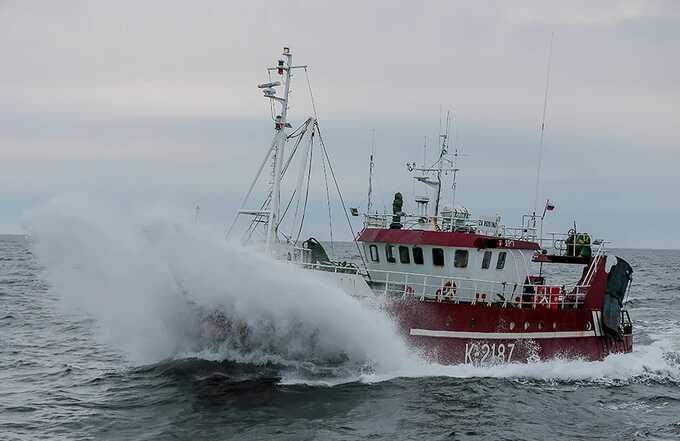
{"x": 453, "y": 333}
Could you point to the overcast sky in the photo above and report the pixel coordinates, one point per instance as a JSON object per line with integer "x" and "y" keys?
{"x": 155, "y": 101}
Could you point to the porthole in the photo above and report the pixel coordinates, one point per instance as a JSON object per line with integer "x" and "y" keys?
{"x": 589, "y": 326}
{"x": 512, "y": 325}
{"x": 554, "y": 325}
{"x": 540, "y": 326}
{"x": 526, "y": 325}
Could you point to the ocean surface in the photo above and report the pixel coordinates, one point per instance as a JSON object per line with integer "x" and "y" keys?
{"x": 107, "y": 333}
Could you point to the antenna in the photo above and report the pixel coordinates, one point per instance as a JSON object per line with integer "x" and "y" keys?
{"x": 370, "y": 174}
{"x": 540, "y": 143}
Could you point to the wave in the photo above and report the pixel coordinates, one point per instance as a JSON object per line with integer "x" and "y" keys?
{"x": 159, "y": 287}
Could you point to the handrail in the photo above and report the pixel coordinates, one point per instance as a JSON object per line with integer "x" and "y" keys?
{"x": 403, "y": 273}
{"x": 593, "y": 265}
{"x": 464, "y": 289}
{"x": 457, "y": 222}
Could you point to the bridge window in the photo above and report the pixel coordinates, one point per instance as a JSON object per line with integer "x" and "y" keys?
{"x": 373, "y": 251}
{"x": 417, "y": 255}
{"x": 460, "y": 259}
{"x": 437, "y": 257}
{"x": 500, "y": 263}
{"x": 486, "y": 261}
{"x": 404, "y": 255}
{"x": 389, "y": 254}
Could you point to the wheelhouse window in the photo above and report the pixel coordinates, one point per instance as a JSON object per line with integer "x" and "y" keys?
{"x": 437, "y": 257}
{"x": 486, "y": 260}
{"x": 500, "y": 263}
{"x": 373, "y": 251}
{"x": 417, "y": 255}
{"x": 460, "y": 259}
{"x": 389, "y": 254}
{"x": 404, "y": 255}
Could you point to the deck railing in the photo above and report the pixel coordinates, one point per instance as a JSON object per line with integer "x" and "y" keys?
{"x": 466, "y": 290}
{"x": 458, "y": 222}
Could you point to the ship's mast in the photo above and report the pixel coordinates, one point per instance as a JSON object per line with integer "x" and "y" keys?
{"x": 443, "y": 137}
{"x": 280, "y": 123}
{"x": 276, "y": 152}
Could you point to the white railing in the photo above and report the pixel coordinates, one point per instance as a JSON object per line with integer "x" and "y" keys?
{"x": 599, "y": 254}
{"x": 559, "y": 244}
{"x": 458, "y": 222}
{"x": 474, "y": 291}
{"x": 465, "y": 290}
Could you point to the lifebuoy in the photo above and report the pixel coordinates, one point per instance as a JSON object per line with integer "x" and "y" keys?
{"x": 408, "y": 290}
{"x": 449, "y": 289}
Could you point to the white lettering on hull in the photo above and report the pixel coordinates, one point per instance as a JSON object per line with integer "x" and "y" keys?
{"x": 501, "y": 335}
{"x": 476, "y": 353}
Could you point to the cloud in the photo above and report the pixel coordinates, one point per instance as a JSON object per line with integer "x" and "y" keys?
{"x": 158, "y": 99}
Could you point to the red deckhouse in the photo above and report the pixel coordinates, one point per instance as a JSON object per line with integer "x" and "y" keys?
{"x": 462, "y": 289}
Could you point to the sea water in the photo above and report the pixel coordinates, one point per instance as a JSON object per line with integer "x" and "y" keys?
{"x": 108, "y": 330}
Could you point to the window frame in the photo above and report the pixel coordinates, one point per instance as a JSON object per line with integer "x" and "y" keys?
{"x": 486, "y": 262}
{"x": 404, "y": 255}
{"x": 389, "y": 254}
{"x": 373, "y": 248}
{"x": 420, "y": 260}
{"x": 440, "y": 252}
{"x": 457, "y": 261}
{"x": 500, "y": 262}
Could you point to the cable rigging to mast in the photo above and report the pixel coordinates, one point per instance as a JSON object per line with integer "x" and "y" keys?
{"x": 541, "y": 136}
{"x": 271, "y": 213}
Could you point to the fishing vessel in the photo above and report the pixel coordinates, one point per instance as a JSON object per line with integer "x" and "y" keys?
{"x": 461, "y": 288}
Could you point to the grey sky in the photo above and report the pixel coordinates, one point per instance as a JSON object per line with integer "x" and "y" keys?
{"x": 155, "y": 100}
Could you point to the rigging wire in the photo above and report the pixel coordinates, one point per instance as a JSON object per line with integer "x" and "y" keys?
{"x": 297, "y": 133}
{"x": 271, "y": 102}
{"x": 309, "y": 176}
{"x": 342, "y": 200}
{"x": 305, "y": 169}
{"x": 335, "y": 181}
{"x": 323, "y": 163}
{"x": 311, "y": 95}
{"x": 545, "y": 107}
{"x": 328, "y": 201}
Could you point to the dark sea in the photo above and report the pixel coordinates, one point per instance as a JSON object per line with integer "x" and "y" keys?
{"x": 95, "y": 345}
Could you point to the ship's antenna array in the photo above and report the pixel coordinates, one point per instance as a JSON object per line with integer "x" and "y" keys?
{"x": 540, "y": 142}
{"x": 432, "y": 175}
{"x": 371, "y": 164}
